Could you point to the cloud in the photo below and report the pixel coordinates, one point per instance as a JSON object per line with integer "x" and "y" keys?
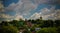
{"x": 46, "y": 14}
{"x": 4, "y": 17}
{"x": 7, "y": 17}
{"x": 52, "y": 2}
{"x": 25, "y": 7}
{"x": 1, "y": 7}
{"x": 35, "y": 16}
{"x": 17, "y": 17}
{"x": 51, "y": 13}
{"x": 21, "y": 7}
{"x": 11, "y": 7}
{"x": 39, "y": 1}
{"x": 57, "y": 14}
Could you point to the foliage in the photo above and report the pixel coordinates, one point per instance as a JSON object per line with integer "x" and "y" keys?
{"x": 47, "y": 26}
{"x": 8, "y": 29}
{"x": 47, "y": 30}
{"x": 16, "y": 23}
{"x": 58, "y": 29}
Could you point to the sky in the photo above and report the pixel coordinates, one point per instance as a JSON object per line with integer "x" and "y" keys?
{"x": 30, "y": 9}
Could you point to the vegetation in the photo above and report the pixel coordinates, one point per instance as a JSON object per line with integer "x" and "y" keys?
{"x": 48, "y": 30}
{"x": 8, "y": 29}
{"x": 29, "y": 26}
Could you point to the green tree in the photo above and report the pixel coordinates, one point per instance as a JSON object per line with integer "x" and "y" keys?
{"x": 57, "y": 22}
{"x": 15, "y": 23}
{"x": 58, "y": 29}
{"x": 8, "y": 29}
{"x": 47, "y": 30}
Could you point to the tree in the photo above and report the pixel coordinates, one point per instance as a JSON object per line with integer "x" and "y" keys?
{"x": 57, "y": 23}
{"x": 15, "y": 23}
{"x": 58, "y": 29}
{"x": 48, "y": 30}
{"x": 48, "y": 23}
{"x": 8, "y": 29}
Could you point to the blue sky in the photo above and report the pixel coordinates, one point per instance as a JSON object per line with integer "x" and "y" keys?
{"x": 7, "y": 2}
{"x": 15, "y": 9}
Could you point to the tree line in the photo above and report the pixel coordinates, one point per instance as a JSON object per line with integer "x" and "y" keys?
{"x": 14, "y": 26}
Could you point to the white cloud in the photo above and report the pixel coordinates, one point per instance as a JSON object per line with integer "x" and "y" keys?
{"x": 50, "y": 2}
{"x": 1, "y": 7}
{"x": 35, "y": 16}
{"x": 47, "y": 14}
{"x": 40, "y": 1}
{"x": 8, "y": 17}
{"x": 57, "y": 14}
{"x": 23, "y": 7}
{"x": 5, "y": 16}
{"x": 17, "y": 17}
{"x": 51, "y": 13}
{"x": 11, "y": 7}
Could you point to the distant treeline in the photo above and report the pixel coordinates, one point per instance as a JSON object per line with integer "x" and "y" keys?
{"x": 14, "y": 26}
